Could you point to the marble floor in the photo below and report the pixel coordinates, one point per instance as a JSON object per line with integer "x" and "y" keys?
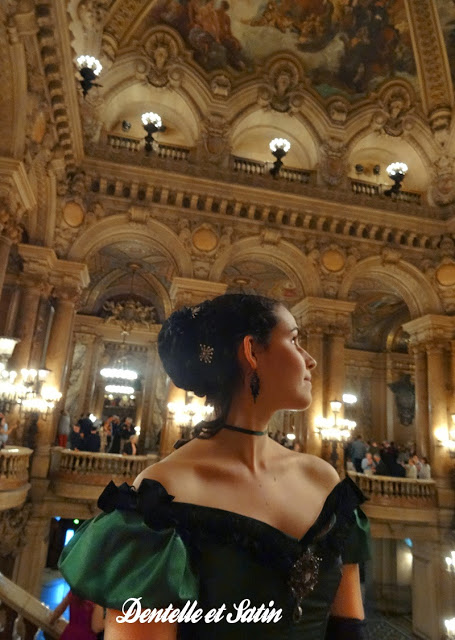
{"x": 380, "y": 627}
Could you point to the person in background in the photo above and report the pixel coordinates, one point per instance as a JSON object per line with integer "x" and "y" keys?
{"x": 63, "y": 428}
{"x": 115, "y": 442}
{"x": 76, "y": 439}
{"x": 126, "y": 431}
{"x": 32, "y": 430}
{"x": 130, "y": 448}
{"x": 85, "y": 424}
{"x": 106, "y": 435}
{"x": 86, "y": 618}
{"x": 380, "y": 468}
{"x": 411, "y": 469}
{"x": 5, "y": 431}
{"x": 93, "y": 442}
{"x": 425, "y": 470}
{"x": 358, "y": 451}
{"x": 368, "y": 464}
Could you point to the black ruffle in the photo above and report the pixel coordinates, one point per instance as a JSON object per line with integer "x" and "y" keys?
{"x": 150, "y": 495}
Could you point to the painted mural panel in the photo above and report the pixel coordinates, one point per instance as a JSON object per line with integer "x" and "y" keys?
{"x": 346, "y": 46}
{"x": 446, "y": 10}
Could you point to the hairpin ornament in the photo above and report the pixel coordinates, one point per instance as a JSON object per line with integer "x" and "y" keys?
{"x": 195, "y": 311}
{"x": 206, "y": 353}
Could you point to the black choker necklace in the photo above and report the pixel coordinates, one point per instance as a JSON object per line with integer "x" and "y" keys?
{"x": 250, "y": 432}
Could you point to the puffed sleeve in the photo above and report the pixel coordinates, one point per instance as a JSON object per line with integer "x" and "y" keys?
{"x": 116, "y": 556}
{"x": 351, "y": 534}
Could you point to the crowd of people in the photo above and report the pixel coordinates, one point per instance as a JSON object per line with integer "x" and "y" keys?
{"x": 386, "y": 459}
{"x": 110, "y": 436}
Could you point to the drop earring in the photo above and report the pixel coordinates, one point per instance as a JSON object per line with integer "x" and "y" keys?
{"x": 255, "y": 385}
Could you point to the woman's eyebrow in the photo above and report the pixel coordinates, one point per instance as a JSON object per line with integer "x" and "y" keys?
{"x": 295, "y": 329}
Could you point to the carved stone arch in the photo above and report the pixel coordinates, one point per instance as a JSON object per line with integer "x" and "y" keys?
{"x": 117, "y": 228}
{"x": 111, "y": 278}
{"x": 123, "y": 94}
{"x": 283, "y": 255}
{"x": 403, "y": 277}
{"x": 264, "y": 125}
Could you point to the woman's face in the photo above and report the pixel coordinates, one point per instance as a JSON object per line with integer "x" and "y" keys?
{"x": 284, "y": 367}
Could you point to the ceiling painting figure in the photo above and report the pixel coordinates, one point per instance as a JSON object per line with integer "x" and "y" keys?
{"x": 346, "y": 46}
{"x": 447, "y": 16}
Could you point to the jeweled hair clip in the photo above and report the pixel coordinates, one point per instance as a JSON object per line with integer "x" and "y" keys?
{"x": 206, "y": 353}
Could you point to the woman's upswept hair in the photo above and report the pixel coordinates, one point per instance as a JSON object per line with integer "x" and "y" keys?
{"x": 198, "y": 347}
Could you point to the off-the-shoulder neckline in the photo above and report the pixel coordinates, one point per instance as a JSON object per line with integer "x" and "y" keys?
{"x": 306, "y": 536}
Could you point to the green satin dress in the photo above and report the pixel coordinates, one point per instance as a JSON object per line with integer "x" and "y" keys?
{"x": 145, "y": 545}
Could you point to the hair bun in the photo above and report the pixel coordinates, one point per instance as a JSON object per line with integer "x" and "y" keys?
{"x": 187, "y": 350}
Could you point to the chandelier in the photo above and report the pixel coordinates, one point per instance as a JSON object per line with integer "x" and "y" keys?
{"x": 89, "y": 68}
{"x": 335, "y": 428}
{"x": 279, "y": 148}
{"x": 397, "y": 172}
{"x": 190, "y": 414}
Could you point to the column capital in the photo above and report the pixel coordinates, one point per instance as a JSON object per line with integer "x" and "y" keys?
{"x": 430, "y": 330}
{"x": 331, "y": 317}
{"x": 189, "y": 291}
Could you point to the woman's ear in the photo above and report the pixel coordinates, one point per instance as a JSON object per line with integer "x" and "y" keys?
{"x": 247, "y": 350}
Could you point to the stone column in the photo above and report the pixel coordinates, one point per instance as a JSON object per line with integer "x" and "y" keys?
{"x": 148, "y": 394}
{"x": 11, "y": 314}
{"x": 437, "y": 406}
{"x": 5, "y": 246}
{"x": 319, "y": 317}
{"x": 434, "y": 334}
{"x": 423, "y": 440}
{"x": 315, "y": 347}
{"x": 32, "y": 289}
{"x": 31, "y": 561}
{"x": 60, "y": 338}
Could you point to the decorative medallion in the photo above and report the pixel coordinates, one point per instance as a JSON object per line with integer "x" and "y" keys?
{"x": 205, "y": 239}
{"x": 445, "y": 274}
{"x": 333, "y": 260}
{"x": 303, "y": 579}
{"x": 73, "y": 214}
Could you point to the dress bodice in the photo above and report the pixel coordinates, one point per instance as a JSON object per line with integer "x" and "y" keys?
{"x": 173, "y": 552}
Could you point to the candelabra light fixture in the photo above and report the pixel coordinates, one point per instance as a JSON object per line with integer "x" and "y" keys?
{"x": 336, "y": 429}
{"x": 279, "y": 148}
{"x": 152, "y": 124}
{"x": 8, "y": 388}
{"x": 397, "y": 172}
{"x": 187, "y": 415}
{"x": 446, "y": 436}
{"x": 89, "y": 68}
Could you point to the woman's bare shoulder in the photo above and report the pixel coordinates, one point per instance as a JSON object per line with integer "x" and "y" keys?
{"x": 321, "y": 472}
{"x": 172, "y": 471}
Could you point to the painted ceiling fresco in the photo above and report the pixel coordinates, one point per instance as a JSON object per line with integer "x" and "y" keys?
{"x": 447, "y": 16}
{"x": 263, "y": 279}
{"x": 347, "y": 46}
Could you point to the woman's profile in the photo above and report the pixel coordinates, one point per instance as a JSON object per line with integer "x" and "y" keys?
{"x": 266, "y": 540}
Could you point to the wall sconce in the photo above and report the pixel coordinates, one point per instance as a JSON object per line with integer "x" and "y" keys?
{"x": 397, "y": 172}
{"x": 450, "y": 562}
{"x": 450, "y": 628}
{"x": 89, "y": 68}
{"x": 279, "y": 148}
{"x": 446, "y": 437}
{"x": 152, "y": 123}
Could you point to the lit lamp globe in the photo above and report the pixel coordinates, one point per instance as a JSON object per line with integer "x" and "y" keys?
{"x": 279, "y": 148}
{"x": 152, "y": 123}
{"x": 89, "y": 68}
{"x": 396, "y": 172}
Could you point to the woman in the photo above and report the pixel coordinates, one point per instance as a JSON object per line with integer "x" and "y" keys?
{"x": 230, "y": 516}
{"x": 425, "y": 470}
{"x": 86, "y": 618}
{"x": 130, "y": 448}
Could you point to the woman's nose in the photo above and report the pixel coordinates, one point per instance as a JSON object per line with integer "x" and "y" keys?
{"x": 310, "y": 362}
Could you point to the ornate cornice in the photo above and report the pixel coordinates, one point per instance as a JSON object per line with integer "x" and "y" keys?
{"x": 55, "y": 48}
{"x": 431, "y": 330}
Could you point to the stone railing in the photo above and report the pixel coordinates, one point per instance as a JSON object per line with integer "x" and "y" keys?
{"x": 23, "y": 615}
{"x": 377, "y": 190}
{"x": 82, "y": 474}
{"x": 14, "y": 474}
{"x": 397, "y": 492}
{"x": 137, "y": 144}
{"x": 253, "y": 167}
